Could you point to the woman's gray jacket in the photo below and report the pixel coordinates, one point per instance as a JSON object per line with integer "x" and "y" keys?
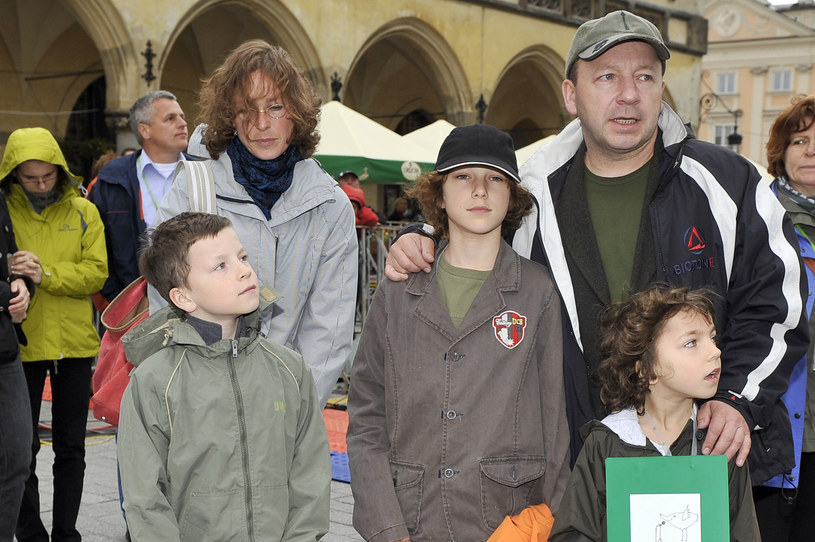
{"x": 306, "y": 252}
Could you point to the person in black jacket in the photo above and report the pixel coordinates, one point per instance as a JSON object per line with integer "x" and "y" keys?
{"x": 15, "y": 411}
{"x": 627, "y": 197}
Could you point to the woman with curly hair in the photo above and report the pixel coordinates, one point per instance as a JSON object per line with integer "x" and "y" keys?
{"x": 260, "y": 118}
{"x": 659, "y": 356}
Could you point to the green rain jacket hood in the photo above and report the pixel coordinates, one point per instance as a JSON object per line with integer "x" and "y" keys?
{"x": 166, "y": 327}
{"x": 33, "y": 144}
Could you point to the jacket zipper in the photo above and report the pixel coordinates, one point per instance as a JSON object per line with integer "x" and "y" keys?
{"x": 233, "y": 375}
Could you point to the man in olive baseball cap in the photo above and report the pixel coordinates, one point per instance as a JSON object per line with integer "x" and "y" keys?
{"x": 597, "y": 36}
{"x": 618, "y": 191}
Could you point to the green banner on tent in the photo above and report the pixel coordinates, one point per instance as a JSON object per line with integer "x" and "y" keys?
{"x": 379, "y": 171}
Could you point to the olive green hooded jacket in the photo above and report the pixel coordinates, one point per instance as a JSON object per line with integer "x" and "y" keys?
{"x": 220, "y": 442}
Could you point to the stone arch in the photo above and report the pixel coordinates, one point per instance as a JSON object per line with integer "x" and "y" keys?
{"x": 210, "y": 29}
{"x": 105, "y": 25}
{"x": 401, "y": 50}
{"x": 527, "y": 101}
{"x": 51, "y": 52}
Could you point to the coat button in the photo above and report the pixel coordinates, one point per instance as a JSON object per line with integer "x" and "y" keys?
{"x": 449, "y": 473}
{"x": 700, "y": 434}
{"x": 797, "y": 415}
{"x": 451, "y": 415}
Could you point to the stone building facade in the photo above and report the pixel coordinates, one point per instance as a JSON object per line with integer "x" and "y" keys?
{"x": 76, "y": 66}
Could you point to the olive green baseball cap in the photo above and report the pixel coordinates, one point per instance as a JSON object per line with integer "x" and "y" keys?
{"x": 597, "y": 36}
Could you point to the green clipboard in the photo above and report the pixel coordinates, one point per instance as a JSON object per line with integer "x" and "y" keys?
{"x": 667, "y": 499}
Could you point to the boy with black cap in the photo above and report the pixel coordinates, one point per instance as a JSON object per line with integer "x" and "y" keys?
{"x": 457, "y": 407}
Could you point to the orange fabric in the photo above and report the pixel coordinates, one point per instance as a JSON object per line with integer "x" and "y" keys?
{"x": 336, "y": 425}
{"x": 99, "y": 302}
{"x": 90, "y": 186}
{"x": 533, "y": 524}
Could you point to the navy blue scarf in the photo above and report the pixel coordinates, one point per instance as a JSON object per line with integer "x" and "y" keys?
{"x": 264, "y": 180}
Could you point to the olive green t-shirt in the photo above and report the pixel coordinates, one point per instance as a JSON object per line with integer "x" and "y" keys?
{"x": 458, "y": 288}
{"x": 615, "y": 206}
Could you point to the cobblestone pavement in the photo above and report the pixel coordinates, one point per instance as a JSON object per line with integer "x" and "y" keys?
{"x": 100, "y": 518}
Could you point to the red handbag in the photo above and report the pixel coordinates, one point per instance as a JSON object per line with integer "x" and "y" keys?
{"x": 112, "y": 368}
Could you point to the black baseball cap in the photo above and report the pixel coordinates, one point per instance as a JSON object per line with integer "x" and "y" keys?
{"x": 478, "y": 145}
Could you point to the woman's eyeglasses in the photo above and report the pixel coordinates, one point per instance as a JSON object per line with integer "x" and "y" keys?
{"x": 275, "y": 112}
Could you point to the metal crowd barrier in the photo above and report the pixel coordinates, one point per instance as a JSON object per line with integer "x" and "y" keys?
{"x": 374, "y": 243}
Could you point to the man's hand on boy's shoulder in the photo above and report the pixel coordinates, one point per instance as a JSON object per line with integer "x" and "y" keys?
{"x": 410, "y": 253}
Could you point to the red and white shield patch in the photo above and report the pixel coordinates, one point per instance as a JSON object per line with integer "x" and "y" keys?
{"x": 509, "y": 328}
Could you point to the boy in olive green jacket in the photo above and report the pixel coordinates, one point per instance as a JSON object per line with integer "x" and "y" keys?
{"x": 221, "y": 436}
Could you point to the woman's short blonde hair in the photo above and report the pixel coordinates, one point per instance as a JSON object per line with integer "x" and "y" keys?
{"x": 227, "y": 90}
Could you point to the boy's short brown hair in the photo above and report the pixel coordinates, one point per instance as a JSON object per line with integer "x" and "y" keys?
{"x": 428, "y": 192}
{"x": 163, "y": 262}
{"x": 629, "y": 333}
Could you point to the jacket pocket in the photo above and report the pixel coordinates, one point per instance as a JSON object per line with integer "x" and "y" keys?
{"x": 211, "y": 516}
{"x": 507, "y": 485}
{"x": 407, "y": 481}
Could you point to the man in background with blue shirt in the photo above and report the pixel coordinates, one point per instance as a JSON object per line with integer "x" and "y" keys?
{"x": 129, "y": 190}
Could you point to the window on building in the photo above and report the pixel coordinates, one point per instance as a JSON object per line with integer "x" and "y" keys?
{"x": 781, "y": 81}
{"x": 721, "y": 132}
{"x": 726, "y": 83}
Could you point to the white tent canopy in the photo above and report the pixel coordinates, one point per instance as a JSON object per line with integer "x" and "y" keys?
{"x": 431, "y": 136}
{"x": 350, "y": 140}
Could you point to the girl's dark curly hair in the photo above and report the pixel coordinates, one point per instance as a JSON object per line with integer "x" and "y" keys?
{"x": 428, "y": 192}
{"x": 227, "y": 91}
{"x": 630, "y": 330}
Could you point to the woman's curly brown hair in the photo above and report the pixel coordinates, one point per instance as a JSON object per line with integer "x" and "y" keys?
{"x": 428, "y": 192}
{"x": 226, "y": 92}
{"x": 796, "y": 118}
{"x": 630, "y": 330}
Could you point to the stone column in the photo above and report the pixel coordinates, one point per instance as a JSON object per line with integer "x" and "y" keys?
{"x": 803, "y": 85}
{"x": 756, "y": 150}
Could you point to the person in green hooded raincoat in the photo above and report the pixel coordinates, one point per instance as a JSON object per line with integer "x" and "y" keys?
{"x": 61, "y": 241}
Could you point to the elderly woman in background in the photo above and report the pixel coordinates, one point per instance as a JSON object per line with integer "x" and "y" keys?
{"x": 785, "y": 504}
{"x": 62, "y": 251}
{"x": 297, "y": 225}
